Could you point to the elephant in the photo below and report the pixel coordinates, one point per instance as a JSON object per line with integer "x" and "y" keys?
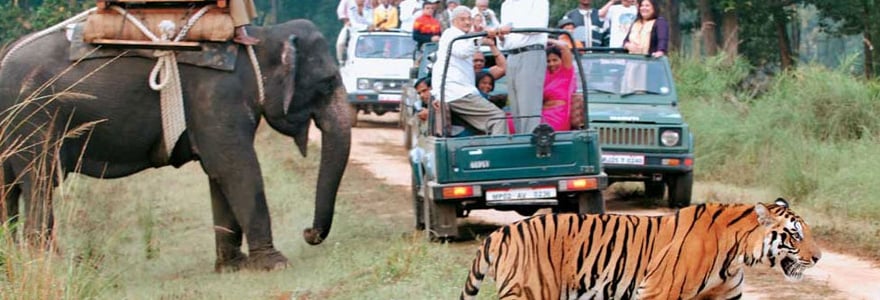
{"x": 99, "y": 117}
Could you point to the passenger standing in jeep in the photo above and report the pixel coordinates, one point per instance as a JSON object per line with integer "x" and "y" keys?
{"x": 526, "y": 62}
{"x": 459, "y": 91}
{"x": 559, "y": 84}
{"x": 426, "y": 28}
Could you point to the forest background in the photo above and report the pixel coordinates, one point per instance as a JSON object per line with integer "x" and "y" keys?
{"x": 780, "y": 95}
{"x": 770, "y": 34}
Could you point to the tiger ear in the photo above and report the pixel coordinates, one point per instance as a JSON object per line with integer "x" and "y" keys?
{"x": 781, "y": 202}
{"x": 764, "y": 216}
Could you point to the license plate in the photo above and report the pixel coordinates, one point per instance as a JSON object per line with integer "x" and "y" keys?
{"x": 621, "y": 159}
{"x": 520, "y": 193}
{"x": 389, "y": 97}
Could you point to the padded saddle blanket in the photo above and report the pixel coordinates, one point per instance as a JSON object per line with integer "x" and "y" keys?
{"x": 220, "y": 56}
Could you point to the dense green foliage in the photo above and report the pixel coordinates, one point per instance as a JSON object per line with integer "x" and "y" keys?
{"x": 812, "y": 133}
{"x": 758, "y": 22}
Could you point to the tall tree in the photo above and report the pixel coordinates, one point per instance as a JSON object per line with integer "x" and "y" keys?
{"x": 672, "y": 14}
{"x": 707, "y": 27}
{"x": 855, "y": 17}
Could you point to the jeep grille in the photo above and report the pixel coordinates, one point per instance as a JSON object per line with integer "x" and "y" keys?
{"x": 391, "y": 85}
{"x": 627, "y": 136}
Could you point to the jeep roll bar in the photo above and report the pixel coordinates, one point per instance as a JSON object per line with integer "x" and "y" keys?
{"x": 575, "y": 52}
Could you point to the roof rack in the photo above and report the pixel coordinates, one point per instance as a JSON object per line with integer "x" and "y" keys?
{"x": 383, "y": 30}
{"x": 603, "y": 50}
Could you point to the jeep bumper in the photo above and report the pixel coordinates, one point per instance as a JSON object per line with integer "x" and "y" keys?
{"x": 516, "y": 192}
{"x": 639, "y": 166}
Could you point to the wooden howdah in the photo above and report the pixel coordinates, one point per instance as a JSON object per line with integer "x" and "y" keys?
{"x": 214, "y": 26}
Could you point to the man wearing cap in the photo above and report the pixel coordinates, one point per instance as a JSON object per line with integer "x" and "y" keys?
{"x": 446, "y": 16}
{"x": 459, "y": 91}
{"x": 568, "y": 25}
{"x": 526, "y": 60}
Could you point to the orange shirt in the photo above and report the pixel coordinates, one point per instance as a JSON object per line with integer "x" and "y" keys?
{"x": 428, "y": 25}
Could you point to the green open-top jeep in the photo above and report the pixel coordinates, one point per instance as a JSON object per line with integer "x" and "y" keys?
{"x": 524, "y": 172}
{"x": 634, "y": 106}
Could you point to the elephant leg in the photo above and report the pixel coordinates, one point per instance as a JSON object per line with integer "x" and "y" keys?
{"x": 11, "y": 192}
{"x": 227, "y": 231}
{"x": 235, "y": 171}
{"x": 39, "y": 218}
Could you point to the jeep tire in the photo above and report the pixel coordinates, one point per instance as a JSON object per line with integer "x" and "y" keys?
{"x": 582, "y": 203}
{"x": 590, "y": 203}
{"x": 440, "y": 221}
{"x": 418, "y": 204}
{"x": 654, "y": 190}
{"x": 680, "y": 188}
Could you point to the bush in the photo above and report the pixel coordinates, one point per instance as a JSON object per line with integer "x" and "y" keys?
{"x": 810, "y": 135}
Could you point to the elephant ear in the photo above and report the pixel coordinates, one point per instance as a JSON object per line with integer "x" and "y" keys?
{"x": 288, "y": 64}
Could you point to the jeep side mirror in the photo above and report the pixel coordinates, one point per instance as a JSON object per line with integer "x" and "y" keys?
{"x": 413, "y": 72}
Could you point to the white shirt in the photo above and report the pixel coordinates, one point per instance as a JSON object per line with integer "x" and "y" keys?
{"x": 460, "y": 77}
{"x": 360, "y": 22}
{"x": 410, "y": 10}
{"x": 522, "y": 14}
{"x": 618, "y": 20}
{"x": 491, "y": 20}
{"x": 342, "y": 9}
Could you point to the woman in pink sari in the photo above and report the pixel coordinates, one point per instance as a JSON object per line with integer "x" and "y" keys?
{"x": 559, "y": 84}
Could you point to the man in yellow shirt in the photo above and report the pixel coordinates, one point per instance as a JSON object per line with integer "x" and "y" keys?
{"x": 386, "y": 16}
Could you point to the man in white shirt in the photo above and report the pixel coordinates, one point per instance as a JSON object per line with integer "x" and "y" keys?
{"x": 358, "y": 11}
{"x": 619, "y": 15}
{"x": 410, "y": 10}
{"x": 459, "y": 92}
{"x": 489, "y": 18}
{"x": 526, "y": 62}
{"x": 445, "y": 16}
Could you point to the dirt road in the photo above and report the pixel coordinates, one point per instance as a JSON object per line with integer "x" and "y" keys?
{"x": 376, "y": 146}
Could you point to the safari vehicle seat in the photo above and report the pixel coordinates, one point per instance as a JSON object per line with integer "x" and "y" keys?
{"x": 109, "y": 26}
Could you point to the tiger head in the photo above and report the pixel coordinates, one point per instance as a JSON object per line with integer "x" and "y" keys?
{"x": 789, "y": 241}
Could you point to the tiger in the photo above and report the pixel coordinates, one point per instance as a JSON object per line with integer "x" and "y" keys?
{"x": 699, "y": 252}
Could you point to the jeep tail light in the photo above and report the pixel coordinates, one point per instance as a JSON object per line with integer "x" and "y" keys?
{"x": 454, "y": 192}
{"x": 580, "y": 184}
{"x": 670, "y": 162}
{"x": 689, "y": 162}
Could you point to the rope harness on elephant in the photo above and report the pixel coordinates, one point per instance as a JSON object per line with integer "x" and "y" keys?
{"x": 173, "y": 118}
{"x": 165, "y": 76}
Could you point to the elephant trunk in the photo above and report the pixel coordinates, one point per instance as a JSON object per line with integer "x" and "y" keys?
{"x": 335, "y": 128}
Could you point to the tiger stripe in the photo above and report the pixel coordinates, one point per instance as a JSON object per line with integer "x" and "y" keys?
{"x": 697, "y": 253}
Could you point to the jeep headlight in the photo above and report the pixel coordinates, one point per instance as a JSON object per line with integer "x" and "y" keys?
{"x": 669, "y": 137}
{"x": 378, "y": 86}
{"x": 363, "y": 84}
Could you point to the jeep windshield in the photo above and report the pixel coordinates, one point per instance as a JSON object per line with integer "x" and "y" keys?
{"x": 385, "y": 46}
{"x": 625, "y": 76}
